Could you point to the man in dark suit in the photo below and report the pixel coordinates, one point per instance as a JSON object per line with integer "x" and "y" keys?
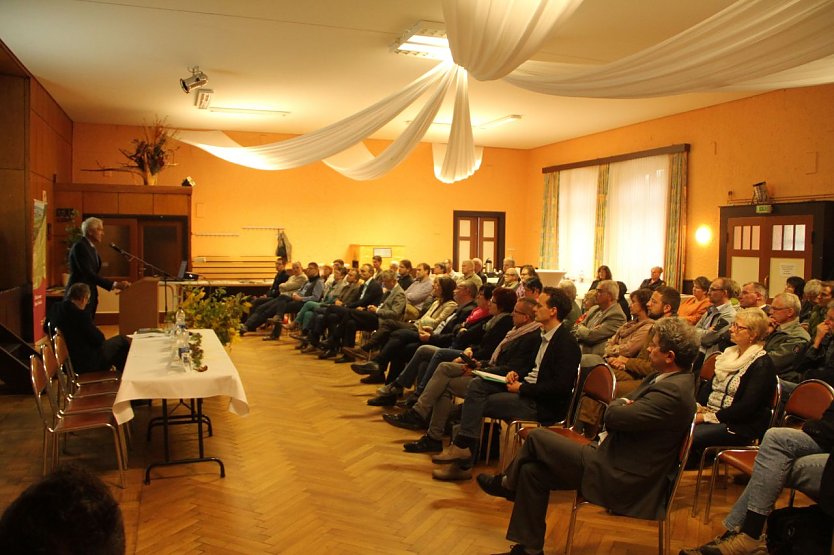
{"x": 88, "y": 350}
{"x": 540, "y": 392}
{"x": 85, "y": 263}
{"x": 628, "y": 470}
{"x": 370, "y": 295}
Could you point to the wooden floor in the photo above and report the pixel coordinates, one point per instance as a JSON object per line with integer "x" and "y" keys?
{"x": 312, "y": 469}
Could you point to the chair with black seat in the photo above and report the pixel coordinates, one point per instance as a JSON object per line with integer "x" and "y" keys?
{"x": 808, "y": 401}
{"x": 664, "y": 524}
{"x": 56, "y": 423}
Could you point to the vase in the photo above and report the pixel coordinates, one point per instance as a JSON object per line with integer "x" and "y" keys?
{"x": 149, "y": 178}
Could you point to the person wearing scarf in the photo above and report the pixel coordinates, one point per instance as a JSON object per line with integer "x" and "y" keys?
{"x": 735, "y": 405}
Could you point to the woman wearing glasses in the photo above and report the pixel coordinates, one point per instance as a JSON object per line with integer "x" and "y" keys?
{"x": 734, "y": 407}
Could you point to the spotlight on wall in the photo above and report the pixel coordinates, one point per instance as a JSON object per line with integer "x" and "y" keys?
{"x": 197, "y": 79}
{"x": 703, "y": 235}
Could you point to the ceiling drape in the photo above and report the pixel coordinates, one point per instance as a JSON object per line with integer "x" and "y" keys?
{"x": 750, "y": 45}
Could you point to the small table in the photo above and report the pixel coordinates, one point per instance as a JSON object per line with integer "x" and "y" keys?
{"x": 151, "y": 373}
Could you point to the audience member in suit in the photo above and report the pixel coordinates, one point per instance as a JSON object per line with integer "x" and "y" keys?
{"x": 88, "y": 350}
{"x": 817, "y": 315}
{"x": 506, "y": 265}
{"x": 316, "y": 327}
{"x": 310, "y": 291}
{"x": 510, "y": 279}
{"x": 479, "y": 269}
{"x": 85, "y": 264}
{"x": 516, "y": 352}
{"x": 798, "y": 459}
{"x": 602, "y": 321}
{"x": 787, "y": 339}
{"x": 603, "y": 273}
{"x": 735, "y": 405}
{"x": 542, "y": 393}
{"x": 654, "y": 281}
{"x": 752, "y": 295}
{"x": 627, "y": 472}
{"x": 403, "y": 343}
{"x": 818, "y": 359}
{"x": 330, "y": 293}
{"x": 717, "y": 319}
{"x": 426, "y": 358}
{"x": 376, "y": 264}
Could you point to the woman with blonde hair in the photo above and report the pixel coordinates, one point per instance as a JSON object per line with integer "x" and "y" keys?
{"x": 734, "y": 407}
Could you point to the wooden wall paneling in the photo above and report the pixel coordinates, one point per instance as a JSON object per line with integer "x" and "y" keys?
{"x": 13, "y": 164}
{"x": 100, "y": 203}
{"x": 136, "y": 203}
{"x": 171, "y": 205}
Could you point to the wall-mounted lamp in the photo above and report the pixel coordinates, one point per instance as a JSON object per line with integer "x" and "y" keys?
{"x": 703, "y": 235}
{"x": 197, "y": 79}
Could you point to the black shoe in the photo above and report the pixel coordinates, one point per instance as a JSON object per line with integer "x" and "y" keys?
{"x": 366, "y": 368}
{"x": 301, "y": 346}
{"x": 491, "y": 484}
{"x": 383, "y": 401}
{"x": 410, "y": 420}
{"x": 374, "y": 378}
{"x": 344, "y": 359}
{"x": 269, "y": 338}
{"x": 423, "y": 445}
{"x": 330, "y": 353}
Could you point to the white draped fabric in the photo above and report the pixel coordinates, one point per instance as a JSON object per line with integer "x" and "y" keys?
{"x": 751, "y": 45}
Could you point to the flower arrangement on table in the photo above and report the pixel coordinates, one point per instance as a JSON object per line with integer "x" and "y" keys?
{"x": 150, "y": 155}
{"x": 194, "y": 342}
{"x": 215, "y": 311}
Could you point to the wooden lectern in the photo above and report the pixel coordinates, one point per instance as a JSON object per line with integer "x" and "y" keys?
{"x": 139, "y": 306}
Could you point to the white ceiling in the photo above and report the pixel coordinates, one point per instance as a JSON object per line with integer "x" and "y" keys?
{"x": 109, "y": 61}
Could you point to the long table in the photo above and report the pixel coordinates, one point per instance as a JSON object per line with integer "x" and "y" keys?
{"x": 152, "y": 373}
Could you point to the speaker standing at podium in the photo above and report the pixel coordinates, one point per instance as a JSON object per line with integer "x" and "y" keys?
{"x": 85, "y": 264}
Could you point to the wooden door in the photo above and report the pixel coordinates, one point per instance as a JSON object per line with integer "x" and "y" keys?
{"x": 478, "y": 234}
{"x": 769, "y": 249}
{"x": 162, "y": 244}
{"x": 122, "y": 233}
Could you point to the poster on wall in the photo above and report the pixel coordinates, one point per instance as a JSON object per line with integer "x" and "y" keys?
{"x": 38, "y": 268}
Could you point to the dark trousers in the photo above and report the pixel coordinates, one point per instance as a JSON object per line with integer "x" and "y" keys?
{"x": 113, "y": 352}
{"x": 707, "y": 435}
{"x": 546, "y": 462}
{"x": 280, "y": 310}
{"x": 357, "y": 320}
{"x": 265, "y": 311}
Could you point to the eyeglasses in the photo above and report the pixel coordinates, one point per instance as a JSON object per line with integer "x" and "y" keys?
{"x": 737, "y": 326}
{"x": 715, "y": 288}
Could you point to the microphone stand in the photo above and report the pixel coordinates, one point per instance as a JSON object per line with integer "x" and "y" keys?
{"x": 130, "y": 257}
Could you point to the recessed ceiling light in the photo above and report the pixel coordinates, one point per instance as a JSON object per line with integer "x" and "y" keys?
{"x": 247, "y": 111}
{"x": 500, "y": 121}
{"x": 425, "y": 39}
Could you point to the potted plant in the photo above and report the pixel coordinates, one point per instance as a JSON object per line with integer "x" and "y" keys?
{"x": 215, "y": 311}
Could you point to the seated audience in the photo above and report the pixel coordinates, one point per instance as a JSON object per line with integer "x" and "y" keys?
{"x": 692, "y": 308}
{"x": 817, "y": 362}
{"x": 419, "y": 292}
{"x": 630, "y": 370}
{"x": 718, "y": 317}
{"x": 281, "y": 276}
{"x": 516, "y": 352}
{"x": 630, "y": 338}
{"x": 479, "y": 269}
{"x": 602, "y": 321}
{"x": 542, "y": 393}
{"x": 506, "y": 265}
{"x": 266, "y": 310}
{"x": 427, "y": 357}
{"x": 532, "y": 288}
{"x": 735, "y": 405}
{"x": 654, "y": 281}
{"x": 809, "y": 299}
{"x": 331, "y": 292}
{"x": 510, "y": 277}
{"x": 795, "y": 285}
{"x": 467, "y": 268}
{"x": 787, "y": 339}
{"x": 589, "y": 301}
{"x": 787, "y": 457}
{"x": 69, "y": 512}
{"x": 628, "y": 472}
{"x": 569, "y": 288}
{"x": 376, "y": 265}
{"x": 88, "y": 350}
{"x": 312, "y": 290}
{"x": 316, "y": 326}
{"x": 818, "y": 312}
{"x": 405, "y": 274}
{"x": 603, "y": 273}
{"x": 528, "y": 272}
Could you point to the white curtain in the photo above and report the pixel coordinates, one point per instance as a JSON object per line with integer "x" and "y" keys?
{"x": 635, "y": 227}
{"x": 577, "y": 209}
{"x": 746, "y": 42}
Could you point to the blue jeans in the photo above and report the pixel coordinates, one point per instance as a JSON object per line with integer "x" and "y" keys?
{"x": 787, "y": 457}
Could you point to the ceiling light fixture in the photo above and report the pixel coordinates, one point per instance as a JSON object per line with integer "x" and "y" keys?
{"x": 197, "y": 79}
{"x": 425, "y": 39}
{"x": 247, "y": 111}
{"x": 203, "y": 98}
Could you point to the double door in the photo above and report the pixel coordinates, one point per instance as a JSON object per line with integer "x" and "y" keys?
{"x": 160, "y": 241}
{"x": 478, "y": 234}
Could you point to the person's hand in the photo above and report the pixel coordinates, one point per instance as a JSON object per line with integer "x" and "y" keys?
{"x": 514, "y": 387}
{"x": 338, "y": 302}
{"x": 121, "y": 285}
{"x": 699, "y": 418}
{"x": 618, "y": 363}
{"x": 296, "y": 297}
{"x": 823, "y": 329}
{"x": 512, "y": 376}
{"x": 424, "y": 336}
{"x": 360, "y": 308}
{"x": 372, "y": 308}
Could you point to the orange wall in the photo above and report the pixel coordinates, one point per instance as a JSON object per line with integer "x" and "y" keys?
{"x": 784, "y": 137}
{"x": 322, "y": 211}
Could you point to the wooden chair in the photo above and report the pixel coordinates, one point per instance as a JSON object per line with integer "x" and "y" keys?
{"x": 59, "y": 388}
{"x": 87, "y": 384}
{"x": 808, "y": 401}
{"x": 55, "y": 423}
{"x": 664, "y": 524}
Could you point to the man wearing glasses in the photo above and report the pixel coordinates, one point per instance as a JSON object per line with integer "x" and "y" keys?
{"x": 787, "y": 339}
{"x": 718, "y": 317}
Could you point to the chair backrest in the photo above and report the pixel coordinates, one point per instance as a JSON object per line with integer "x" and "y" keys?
{"x": 683, "y": 456}
{"x": 62, "y": 354}
{"x": 708, "y": 368}
{"x": 597, "y": 392}
{"x": 775, "y": 403}
{"x": 574, "y": 399}
{"x": 808, "y": 401}
{"x": 56, "y": 385}
{"x": 40, "y": 381}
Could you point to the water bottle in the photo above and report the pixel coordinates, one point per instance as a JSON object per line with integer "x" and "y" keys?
{"x": 180, "y": 319}
{"x": 183, "y": 349}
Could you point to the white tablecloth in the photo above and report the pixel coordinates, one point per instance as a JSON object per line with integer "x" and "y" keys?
{"x": 150, "y": 373}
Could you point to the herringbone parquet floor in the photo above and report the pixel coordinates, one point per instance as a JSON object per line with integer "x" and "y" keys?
{"x": 312, "y": 469}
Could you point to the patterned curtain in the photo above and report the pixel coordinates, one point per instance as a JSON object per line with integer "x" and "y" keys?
{"x": 548, "y": 252}
{"x": 676, "y": 221}
{"x": 602, "y": 206}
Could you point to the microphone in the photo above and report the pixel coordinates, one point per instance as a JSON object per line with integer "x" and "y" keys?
{"x": 117, "y": 248}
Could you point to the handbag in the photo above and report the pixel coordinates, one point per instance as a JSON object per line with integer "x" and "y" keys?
{"x": 799, "y": 531}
